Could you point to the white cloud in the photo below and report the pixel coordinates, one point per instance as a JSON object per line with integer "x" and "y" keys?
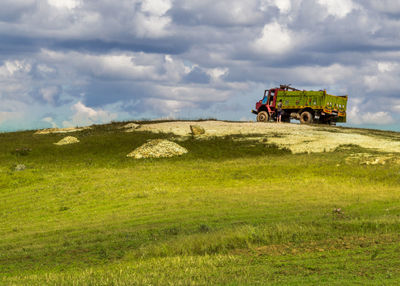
{"x": 168, "y": 107}
{"x": 84, "y": 115}
{"x": 217, "y": 73}
{"x": 49, "y": 93}
{"x": 151, "y": 26}
{"x": 378, "y": 118}
{"x": 15, "y": 81}
{"x": 114, "y": 65}
{"x": 190, "y": 93}
{"x": 322, "y": 75}
{"x": 275, "y": 39}
{"x": 371, "y": 82}
{"x": 386, "y": 66}
{"x": 44, "y": 69}
{"x": 381, "y": 76}
{"x": 10, "y": 68}
{"x": 152, "y": 21}
{"x": 283, "y": 5}
{"x": 156, "y": 7}
{"x": 338, "y": 8}
{"x": 396, "y": 108}
{"x": 50, "y": 121}
{"x": 355, "y": 116}
{"x": 64, "y": 4}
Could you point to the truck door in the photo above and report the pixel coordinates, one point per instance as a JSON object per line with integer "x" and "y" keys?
{"x": 272, "y": 97}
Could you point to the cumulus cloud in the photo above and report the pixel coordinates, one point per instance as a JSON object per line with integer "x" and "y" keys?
{"x": 355, "y": 116}
{"x": 169, "y": 108}
{"x": 167, "y": 58}
{"x": 11, "y": 68}
{"x": 49, "y": 93}
{"x": 275, "y": 39}
{"x": 64, "y": 4}
{"x": 338, "y": 8}
{"x": 283, "y": 5}
{"x": 382, "y": 77}
{"x": 83, "y": 115}
{"x": 156, "y": 7}
{"x": 50, "y": 121}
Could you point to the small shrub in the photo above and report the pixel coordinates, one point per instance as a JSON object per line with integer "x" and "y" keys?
{"x": 172, "y": 230}
{"x": 142, "y": 195}
{"x": 21, "y": 151}
{"x": 204, "y": 228}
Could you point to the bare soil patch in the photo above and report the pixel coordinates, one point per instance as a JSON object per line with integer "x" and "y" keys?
{"x": 298, "y": 138}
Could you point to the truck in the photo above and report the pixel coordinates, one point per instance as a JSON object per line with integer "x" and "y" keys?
{"x": 306, "y": 106}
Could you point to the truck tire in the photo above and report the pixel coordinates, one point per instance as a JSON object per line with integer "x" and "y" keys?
{"x": 262, "y": 116}
{"x": 306, "y": 117}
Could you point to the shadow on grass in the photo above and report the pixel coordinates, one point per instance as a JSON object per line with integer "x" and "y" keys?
{"x": 228, "y": 147}
{"x": 107, "y": 146}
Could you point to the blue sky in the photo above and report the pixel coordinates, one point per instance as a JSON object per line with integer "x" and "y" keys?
{"x": 78, "y": 62}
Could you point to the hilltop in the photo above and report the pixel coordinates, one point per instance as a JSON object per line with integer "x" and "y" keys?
{"x": 249, "y": 203}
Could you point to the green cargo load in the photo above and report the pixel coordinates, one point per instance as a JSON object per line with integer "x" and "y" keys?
{"x": 306, "y": 106}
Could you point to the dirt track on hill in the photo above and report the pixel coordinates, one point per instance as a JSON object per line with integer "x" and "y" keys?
{"x": 298, "y": 138}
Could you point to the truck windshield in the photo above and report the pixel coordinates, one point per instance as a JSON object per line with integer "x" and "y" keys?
{"x": 265, "y": 99}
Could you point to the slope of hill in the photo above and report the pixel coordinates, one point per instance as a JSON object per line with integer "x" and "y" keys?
{"x": 249, "y": 203}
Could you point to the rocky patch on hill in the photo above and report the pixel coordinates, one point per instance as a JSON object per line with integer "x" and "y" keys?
{"x": 130, "y": 127}
{"x": 67, "y": 140}
{"x": 298, "y": 138}
{"x": 158, "y": 148}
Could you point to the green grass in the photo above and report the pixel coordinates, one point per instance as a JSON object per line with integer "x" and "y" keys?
{"x": 228, "y": 212}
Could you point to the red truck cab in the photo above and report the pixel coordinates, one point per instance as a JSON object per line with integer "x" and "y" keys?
{"x": 266, "y": 106}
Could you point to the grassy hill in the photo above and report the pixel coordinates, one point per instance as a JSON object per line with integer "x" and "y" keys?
{"x": 230, "y": 212}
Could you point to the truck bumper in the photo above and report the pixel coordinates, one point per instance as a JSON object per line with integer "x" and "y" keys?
{"x": 253, "y": 111}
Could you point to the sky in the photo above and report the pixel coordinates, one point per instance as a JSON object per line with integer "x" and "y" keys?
{"x": 70, "y": 63}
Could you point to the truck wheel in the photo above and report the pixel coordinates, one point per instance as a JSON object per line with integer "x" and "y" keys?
{"x": 306, "y": 117}
{"x": 262, "y": 116}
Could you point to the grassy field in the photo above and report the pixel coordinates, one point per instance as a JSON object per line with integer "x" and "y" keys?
{"x": 227, "y": 213}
